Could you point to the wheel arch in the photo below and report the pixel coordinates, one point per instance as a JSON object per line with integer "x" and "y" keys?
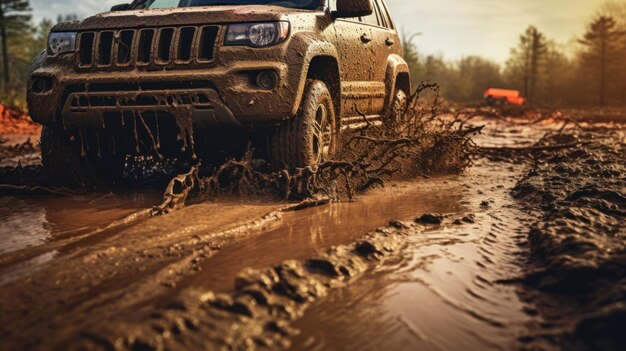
{"x": 326, "y": 69}
{"x": 397, "y": 76}
{"x": 309, "y": 52}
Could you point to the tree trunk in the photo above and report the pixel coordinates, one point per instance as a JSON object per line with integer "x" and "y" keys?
{"x": 5, "y": 54}
{"x": 603, "y": 63}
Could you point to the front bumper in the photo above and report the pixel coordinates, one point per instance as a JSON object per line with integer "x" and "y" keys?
{"x": 215, "y": 96}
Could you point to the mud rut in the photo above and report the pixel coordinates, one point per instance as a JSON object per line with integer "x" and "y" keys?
{"x": 446, "y": 289}
{"x": 403, "y": 284}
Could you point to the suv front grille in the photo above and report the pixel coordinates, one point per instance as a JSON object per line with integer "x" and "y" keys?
{"x": 147, "y": 47}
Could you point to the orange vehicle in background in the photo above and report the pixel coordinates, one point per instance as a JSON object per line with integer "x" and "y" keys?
{"x": 504, "y": 97}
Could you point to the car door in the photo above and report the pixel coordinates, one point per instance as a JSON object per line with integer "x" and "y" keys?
{"x": 384, "y": 43}
{"x": 356, "y": 60}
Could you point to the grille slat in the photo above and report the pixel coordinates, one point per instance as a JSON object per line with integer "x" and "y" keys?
{"x": 105, "y": 46}
{"x": 144, "y": 47}
{"x": 186, "y": 38}
{"x": 125, "y": 47}
{"x": 164, "y": 48}
{"x": 86, "y": 54}
{"x": 207, "y": 43}
{"x": 147, "y": 47}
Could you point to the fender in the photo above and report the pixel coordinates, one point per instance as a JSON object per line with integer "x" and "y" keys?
{"x": 395, "y": 66}
{"x": 303, "y": 48}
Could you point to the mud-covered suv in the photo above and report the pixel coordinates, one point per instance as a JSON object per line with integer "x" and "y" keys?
{"x": 188, "y": 78}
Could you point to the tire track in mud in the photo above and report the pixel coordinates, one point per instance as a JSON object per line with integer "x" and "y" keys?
{"x": 130, "y": 271}
{"x": 484, "y": 247}
{"x": 257, "y": 314}
{"x": 448, "y": 289}
{"x": 118, "y": 273}
{"x": 132, "y": 295}
{"x": 577, "y": 267}
{"x": 480, "y": 306}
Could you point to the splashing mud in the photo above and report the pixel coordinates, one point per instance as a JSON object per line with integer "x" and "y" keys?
{"x": 422, "y": 142}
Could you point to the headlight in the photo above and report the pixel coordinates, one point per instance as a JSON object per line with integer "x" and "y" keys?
{"x": 257, "y": 34}
{"x": 60, "y": 42}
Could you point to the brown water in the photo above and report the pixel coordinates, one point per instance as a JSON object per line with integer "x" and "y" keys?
{"x": 443, "y": 292}
{"x": 30, "y": 225}
{"x": 28, "y": 222}
{"x": 302, "y": 234}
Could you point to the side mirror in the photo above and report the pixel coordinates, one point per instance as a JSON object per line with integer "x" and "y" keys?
{"x": 121, "y": 7}
{"x": 353, "y": 8}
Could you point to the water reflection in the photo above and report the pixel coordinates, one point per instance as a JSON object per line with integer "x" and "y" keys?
{"x": 305, "y": 233}
{"x": 443, "y": 293}
{"x": 21, "y": 225}
{"x": 32, "y": 222}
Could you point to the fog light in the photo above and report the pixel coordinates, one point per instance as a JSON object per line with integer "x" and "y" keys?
{"x": 41, "y": 85}
{"x": 267, "y": 80}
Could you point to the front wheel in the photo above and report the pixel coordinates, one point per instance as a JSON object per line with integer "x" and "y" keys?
{"x": 310, "y": 138}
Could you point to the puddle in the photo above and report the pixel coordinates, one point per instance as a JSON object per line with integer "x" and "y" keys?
{"x": 303, "y": 234}
{"x": 33, "y": 222}
{"x": 32, "y": 228}
{"x": 443, "y": 292}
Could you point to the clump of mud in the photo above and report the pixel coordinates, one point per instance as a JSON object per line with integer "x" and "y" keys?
{"x": 578, "y": 250}
{"x": 256, "y": 315}
{"x": 421, "y": 142}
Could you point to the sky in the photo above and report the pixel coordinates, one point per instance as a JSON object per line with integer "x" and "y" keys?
{"x": 453, "y": 28}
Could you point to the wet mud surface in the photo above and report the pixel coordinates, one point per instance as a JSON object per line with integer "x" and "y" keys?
{"x": 443, "y": 291}
{"x": 524, "y": 250}
{"x": 578, "y": 250}
{"x": 302, "y": 234}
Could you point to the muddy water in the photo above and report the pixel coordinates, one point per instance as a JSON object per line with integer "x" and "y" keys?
{"x": 443, "y": 293}
{"x": 32, "y": 223}
{"x": 303, "y": 234}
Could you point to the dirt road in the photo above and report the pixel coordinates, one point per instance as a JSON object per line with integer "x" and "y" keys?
{"x": 439, "y": 263}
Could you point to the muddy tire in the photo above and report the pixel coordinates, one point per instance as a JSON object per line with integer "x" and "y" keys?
{"x": 395, "y": 117}
{"x": 310, "y": 138}
{"x": 65, "y": 165}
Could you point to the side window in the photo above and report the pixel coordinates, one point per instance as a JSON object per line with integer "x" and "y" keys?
{"x": 332, "y": 4}
{"x": 381, "y": 18}
{"x": 385, "y": 13}
{"x": 372, "y": 19}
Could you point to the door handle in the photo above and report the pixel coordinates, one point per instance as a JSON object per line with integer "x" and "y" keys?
{"x": 365, "y": 38}
{"x": 389, "y": 42}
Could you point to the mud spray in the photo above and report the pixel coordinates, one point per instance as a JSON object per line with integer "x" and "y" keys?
{"x": 418, "y": 142}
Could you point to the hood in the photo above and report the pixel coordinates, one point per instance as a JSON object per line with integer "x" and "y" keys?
{"x": 178, "y": 17}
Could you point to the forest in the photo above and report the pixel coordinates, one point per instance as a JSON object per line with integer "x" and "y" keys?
{"x": 587, "y": 71}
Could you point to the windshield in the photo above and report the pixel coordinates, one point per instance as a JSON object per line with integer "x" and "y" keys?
{"x": 167, "y": 4}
